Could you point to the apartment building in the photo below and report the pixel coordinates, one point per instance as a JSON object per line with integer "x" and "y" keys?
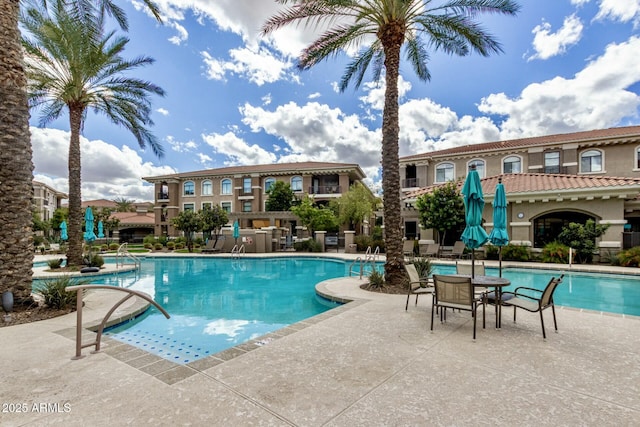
{"x": 242, "y": 191}
{"x": 46, "y": 200}
{"x": 550, "y": 181}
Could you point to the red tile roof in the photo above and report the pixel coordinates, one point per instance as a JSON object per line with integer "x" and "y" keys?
{"x": 522, "y": 183}
{"x": 275, "y": 168}
{"x": 620, "y": 134}
{"x": 134, "y": 218}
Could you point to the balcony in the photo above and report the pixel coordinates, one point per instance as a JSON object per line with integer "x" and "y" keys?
{"x": 325, "y": 189}
{"x": 163, "y": 196}
{"x": 410, "y": 183}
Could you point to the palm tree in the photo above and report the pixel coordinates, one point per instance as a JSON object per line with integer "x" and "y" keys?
{"x": 72, "y": 64}
{"x": 16, "y": 173}
{"x": 387, "y": 26}
{"x": 124, "y": 205}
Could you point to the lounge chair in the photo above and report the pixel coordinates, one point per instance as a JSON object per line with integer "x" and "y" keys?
{"x": 455, "y": 292}
{"x": 417, "y": 285}
{"x": 522, "y": 298}
{"x": 457, "y": 252}
{"x": 430, "y": 250}
{"x": 465, "y": 268}
{"x": 214, "y": 245}
{"x": 407, "y": 248}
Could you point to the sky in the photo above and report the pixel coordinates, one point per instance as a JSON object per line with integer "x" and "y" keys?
{"x": 234, "y": 97}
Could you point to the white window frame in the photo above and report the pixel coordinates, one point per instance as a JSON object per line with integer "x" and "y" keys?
{"x": 184, "y": 189}
{"x": 222, "y": 185}
{"x": 296, "y": 179}
{"x": 184, "y": 207}
{"x": 482, "y": 170}
{"x": 440, "y": 166}
{"x": 268, "y": 181}
{"x": 584, "y": 154}
{"x": 210, "y": 187}
{"x": 504, "y": 160}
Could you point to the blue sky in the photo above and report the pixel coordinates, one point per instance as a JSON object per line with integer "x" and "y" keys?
{"x": 236, "y": 98}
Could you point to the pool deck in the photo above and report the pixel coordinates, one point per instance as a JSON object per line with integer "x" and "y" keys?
{"x": 368, "y": 363}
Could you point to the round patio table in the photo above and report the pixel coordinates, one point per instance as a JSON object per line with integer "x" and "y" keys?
{"x": 497, "y": 283}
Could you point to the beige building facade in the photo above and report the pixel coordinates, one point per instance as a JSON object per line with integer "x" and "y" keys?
{"x": 242, "y": 191}
{"x": 550, "y": 181}
{"x": 46, "y": 200}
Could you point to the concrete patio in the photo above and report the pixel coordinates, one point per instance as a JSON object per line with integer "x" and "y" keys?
{"x": 365, "y": 363}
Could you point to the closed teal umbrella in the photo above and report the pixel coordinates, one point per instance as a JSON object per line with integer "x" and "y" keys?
{"x": 100, "y": 230}
{"x": 63, "y": 231}
{"x": 499, "y": 235}
{"x": 473, "y": 235}
{"x": 236, "y": 230}
{"x": 89, "y": 235}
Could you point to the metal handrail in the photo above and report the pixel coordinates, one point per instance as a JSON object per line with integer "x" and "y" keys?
{"x": 359, "y": 259}
{"x": 123, "y": 252}
{"x": 236, "y": 251}
{"x": 80, "y": 291}
{"x": 374, "y": 255}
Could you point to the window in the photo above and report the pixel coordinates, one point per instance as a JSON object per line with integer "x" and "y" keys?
{"x": 638, "y": 158}
{"x": 207, "y": 188}
{"x": 296, "y": 183}
{"x": 207, "y": 205}
{"x": 246, "y": 206}
{"x": 591, "y": 161}
{"x": 268, "y": 183}
{"x": 444, "y": 172}
{"x": 189, "y": 207}
{"x": 479, "y": 164}
{"x": 226, "y": 206}
{"x": 512, "y": 164}
{"x": 225, "y": 186}
{"x": 246, "y": 185}
{"x": 189, "y": 188}
{"x": 552, "y": 162}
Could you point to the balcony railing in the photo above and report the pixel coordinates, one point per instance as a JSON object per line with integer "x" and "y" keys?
{"x": 163, "y": 196}
{"x": 410, "y": 183}
{"x": 325, "y": 189}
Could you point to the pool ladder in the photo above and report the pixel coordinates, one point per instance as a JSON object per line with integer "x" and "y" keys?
{"x": 123, "y": 254}
{"x": 369, "y": 259}
{"x": 237, "y": 251}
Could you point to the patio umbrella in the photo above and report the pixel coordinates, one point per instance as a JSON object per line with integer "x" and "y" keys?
{"x": 63, "y": 231}
{"x": 473, "y": 235}
{"x": 236, "y": 230}
{"x": 89, "y": 235}
{"x": 100, "y": 230}
{"x": 499, "y": 235}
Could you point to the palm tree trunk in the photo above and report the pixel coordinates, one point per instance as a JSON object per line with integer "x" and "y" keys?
{"x": 16, "y": 172}
{"x": 394, "y": 273}
{"x": 74, "y": 250}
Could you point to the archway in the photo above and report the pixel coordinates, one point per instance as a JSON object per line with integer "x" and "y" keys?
{"x": 547, "y": 227}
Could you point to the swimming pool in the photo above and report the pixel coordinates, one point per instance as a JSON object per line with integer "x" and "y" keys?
{"x": 217, "y": 303}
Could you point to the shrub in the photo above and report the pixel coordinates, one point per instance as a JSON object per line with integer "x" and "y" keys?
{"x": 180, "y": 245}
{"x": 113, "y": 246}
{"x": 171, "y": 245}
{"x": 424, "y": 266}
{"x": 630, "y": 257}
{"x": 376, "y": 279}
{"x": 555, "y": 252}
{"x": 96, "y": 261}
{"x": 158, "y": 246}
{"x": 308, "y": 246}
{"x": 515, "y": 253}
{"x": 104, "y": 247}
{"x": 491, "y": 251}
{"x": 363, "y": 242}
{"x": 149, "y": 238}
{"x": 148, "y": 245}
{"x": 55, "y": 263}
{"x": 55, "y": 295}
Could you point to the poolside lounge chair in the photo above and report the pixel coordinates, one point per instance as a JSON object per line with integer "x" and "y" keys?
{"x": 407, "y": 248}
{"x": 417, "y": 285}
{"x": 457, "y": 293}
{"x": 522, "y": 297}
{"x": 457, "y": 252}
{"x": 430, "y": 250}
{"x": 214, "y": 245}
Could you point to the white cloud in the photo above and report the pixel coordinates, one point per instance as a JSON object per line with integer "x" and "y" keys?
{"x": 259, "y": 66}
{"x": 182, "y": 35}
{"x": 163, "y": 111}
{"x": 181, "y": 147}
{"x": 620, "y": 10}
{"x": 548, "y": 44}
{"x": 314, "y": 95}
{"x": 597, "y": 97}
{"x": 107, "y": 171}
{"x": 237, "y": 150}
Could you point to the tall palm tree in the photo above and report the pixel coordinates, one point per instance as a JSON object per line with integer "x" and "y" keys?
{"x": 124, "y": 205}
{"x": 73, "y": 65}
{"x": 16, "y": 172}
{"x": 384, "y": 27}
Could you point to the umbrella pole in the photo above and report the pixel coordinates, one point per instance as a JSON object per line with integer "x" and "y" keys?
{"x": 500, "y": 260}
{"x": 473, "y": 263}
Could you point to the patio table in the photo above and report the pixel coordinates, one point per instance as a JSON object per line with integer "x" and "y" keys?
{"x": 497, "y": 283}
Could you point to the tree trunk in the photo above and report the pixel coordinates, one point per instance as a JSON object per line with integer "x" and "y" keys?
{"x": 74, "y": 250}
{"x": 392, "y": 38}
{"x": 16, "y": 172}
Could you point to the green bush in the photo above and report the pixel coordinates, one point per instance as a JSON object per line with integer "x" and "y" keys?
{"x": 113, "y": 246}
{"x": 424, "y": 266}
{"x": 515, "y": 253}
{"x": 171, "y": 245}
{"x": 630, "y": 257}
{"x": 376, "y": 279}
{"x": 555, "y": 252}
{"x": 149, "y": 238}
{"x": 180, "y": 245}
{"x": 96, "y": 261}
{"x": 55, "y": 295}
{"x": 363, "y": 242}
{"x": 158, "y": 246}
{"x": 163, "y": 239}
{"x": 148, "y": 245}
{"x": 104, "y": 247}
{"x": 55, "y": 263}
{"x": 308, "y": 246}
{"x": 491, "y": 251}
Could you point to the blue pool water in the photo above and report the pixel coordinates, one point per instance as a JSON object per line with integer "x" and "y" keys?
{"x": 217, "y": 303}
